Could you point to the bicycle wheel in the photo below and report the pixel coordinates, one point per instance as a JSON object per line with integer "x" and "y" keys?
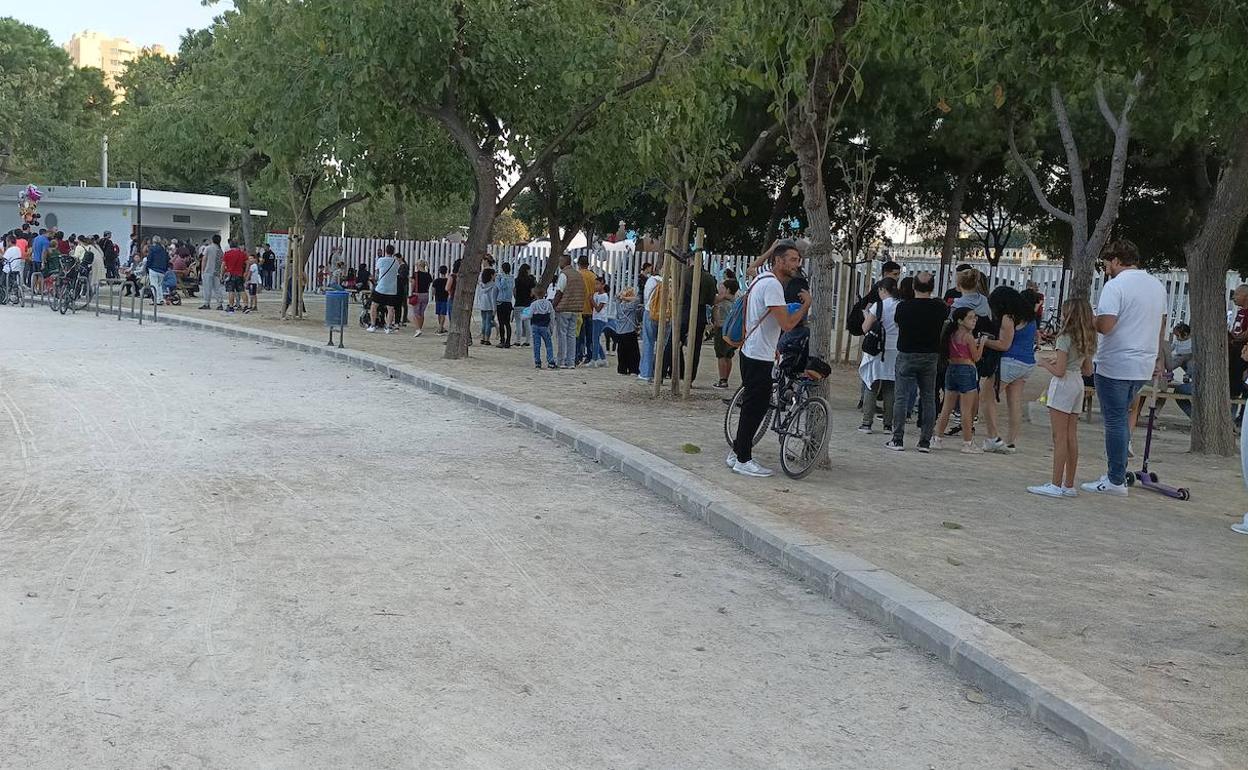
{"x": 61, "y": 301}
{"x": 805, "y": 438}
{"x": 733, "y": 415}
{"x": 81, "y": 295}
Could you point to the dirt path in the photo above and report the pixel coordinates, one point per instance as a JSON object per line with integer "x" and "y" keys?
{"x": 217, "y": 553}
{"x": 1145, "y": 594}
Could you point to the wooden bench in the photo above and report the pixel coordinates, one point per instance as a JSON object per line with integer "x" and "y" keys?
{"x": 1145, "y": 392}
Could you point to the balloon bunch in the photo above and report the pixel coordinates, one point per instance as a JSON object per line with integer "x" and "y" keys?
{"x": 28, "y": 204}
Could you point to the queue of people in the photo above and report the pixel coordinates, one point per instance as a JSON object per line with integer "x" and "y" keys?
{"x": 976, "y": 349}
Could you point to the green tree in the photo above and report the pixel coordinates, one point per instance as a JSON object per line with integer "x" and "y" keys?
{"x": 514, "y": 80}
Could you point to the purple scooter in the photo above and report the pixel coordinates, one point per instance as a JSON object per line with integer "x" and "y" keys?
{"x": 1146, "y": 478}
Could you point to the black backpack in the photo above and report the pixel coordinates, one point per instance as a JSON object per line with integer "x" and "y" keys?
{"x": 853, "y": 322}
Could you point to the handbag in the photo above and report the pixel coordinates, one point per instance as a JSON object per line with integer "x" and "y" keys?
{"x": 873, "y": 340}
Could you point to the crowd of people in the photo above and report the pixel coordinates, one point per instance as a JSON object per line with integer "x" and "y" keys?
{"x": 976, "y": 349}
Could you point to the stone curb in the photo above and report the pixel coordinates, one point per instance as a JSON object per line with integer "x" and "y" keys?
{"x": 1062, "y": 699}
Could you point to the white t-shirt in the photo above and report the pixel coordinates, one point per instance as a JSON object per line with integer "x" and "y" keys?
{"x": 766, "y": 293}
{"x": 1129, "y": 352}
{"x": 603, "y": 299}
{"x": 652, "y": 283}
{"x": 13, "y": 260}
{"x": 561, "y": 283}
{"x": 254, "y": 275}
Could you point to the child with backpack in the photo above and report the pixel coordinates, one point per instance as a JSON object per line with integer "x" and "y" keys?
{"x": 963, "y": 349}
{"x": 1076, "y": 345}
{"x": 541, "y": 313}
{"x": 719, "y": 314}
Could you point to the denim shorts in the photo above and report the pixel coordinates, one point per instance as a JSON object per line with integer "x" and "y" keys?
{"x": 1012, "y": 369}
{"x": 961, "y": 378}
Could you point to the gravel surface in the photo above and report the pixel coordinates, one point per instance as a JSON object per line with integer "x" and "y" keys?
{"x": 216, "y": 553}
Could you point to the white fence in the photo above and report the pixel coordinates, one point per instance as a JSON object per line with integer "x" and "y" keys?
{"x": 623, "y": 267}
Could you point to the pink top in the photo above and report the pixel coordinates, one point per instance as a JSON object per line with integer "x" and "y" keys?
{"x": 959, "y": 350}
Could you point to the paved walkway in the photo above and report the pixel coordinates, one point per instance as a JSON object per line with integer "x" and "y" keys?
{"x": 1145, "y": 594}
{"x": 216, "y": 553}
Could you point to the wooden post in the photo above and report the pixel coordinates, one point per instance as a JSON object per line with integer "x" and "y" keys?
{"x": 666, "y": 285}
{"x": 842, "y": 293}
{"x": 673, "y": 298}
{"x": 691, "y": 336}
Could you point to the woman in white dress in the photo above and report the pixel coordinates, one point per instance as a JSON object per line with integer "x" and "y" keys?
{"x": 879, "y": 372}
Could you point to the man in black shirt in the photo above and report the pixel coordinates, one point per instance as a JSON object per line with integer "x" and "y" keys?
{"x": 268, "y": 266}
{"x": 919, "y": 324}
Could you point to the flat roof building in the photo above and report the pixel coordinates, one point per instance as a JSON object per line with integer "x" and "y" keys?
{"x": 94, "y": 210}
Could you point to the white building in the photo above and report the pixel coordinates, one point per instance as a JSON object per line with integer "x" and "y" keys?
{"x": 94, "y": 210}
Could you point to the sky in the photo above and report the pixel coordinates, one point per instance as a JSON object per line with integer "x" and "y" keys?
{"x": 145, "y": 22}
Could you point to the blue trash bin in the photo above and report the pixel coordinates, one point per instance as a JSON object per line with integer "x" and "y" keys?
{"x": 336, "y": 305}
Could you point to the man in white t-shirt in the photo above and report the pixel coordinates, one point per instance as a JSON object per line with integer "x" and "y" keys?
{"x": 1130, "y": 319}
{"x": 649, "y": 328}
{"x": 766, "y": 316}
{"x": 11, "y": 263}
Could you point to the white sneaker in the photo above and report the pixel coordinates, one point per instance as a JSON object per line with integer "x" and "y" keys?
{"x": 1069, "y": 492}
{"x": 993, "y": 445}
{"x": 372, "y": 329}
{"x": 387, "y": 330}
{"x": 1130, "y": 450}
{"x": 1104, "y": 486}
{"x": 751, "y": 468}
{"x": 1046, "y": 490}
{"x": 418, "y": 333}
{"x": 731, "y": 460}
{"x": 938, "y": 443}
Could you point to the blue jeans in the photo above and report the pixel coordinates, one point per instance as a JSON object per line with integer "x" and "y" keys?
{"x": 542, "y": 334}
{"x": 487, "y": 323}
{"x": 915, "y": 371}
{"x": 585, "y": 338}
{"x": 566, "y": 332}
{"x": 599, "y": 353}
{"x": 1115, "y": 398}
{"x": 649, "y": 331}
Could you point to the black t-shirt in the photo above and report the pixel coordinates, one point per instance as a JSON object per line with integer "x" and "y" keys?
{"x": 440, "y": 293}
{"x": 423, "y": 281}
{"x": 524, "y": 289}
{"x": 919, "y": 323}
{"x": 361, "y": 275}
{"x": 270, "y": 260}
{"x": 404, "y": 278}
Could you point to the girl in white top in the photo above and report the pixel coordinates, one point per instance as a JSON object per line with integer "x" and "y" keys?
{"x": 879, "y": 373}
{"x": 1076, "y": 345}
{"x": 601, "y": 302}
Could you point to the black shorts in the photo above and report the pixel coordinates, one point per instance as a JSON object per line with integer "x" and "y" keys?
{"x": 234, "y": 283}
{"x": 251, "y": 289}
{"x": 385, "y": 300}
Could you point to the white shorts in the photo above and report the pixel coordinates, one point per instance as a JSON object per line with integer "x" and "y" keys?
{"x": 1012, "y": 369}
{"x": 1066, "y": 393}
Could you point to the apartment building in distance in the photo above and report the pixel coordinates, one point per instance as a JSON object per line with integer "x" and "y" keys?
{"x": 110, "y": 54}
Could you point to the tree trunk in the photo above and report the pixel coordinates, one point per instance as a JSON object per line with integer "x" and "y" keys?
{"x": 244, "y": 212}
{"x": 400, "y": 214}
{"x": 1208, "y": 257}
{"x": 551, "y": 200}
{"x": 820, "y": 257}
{"x": 953, "y": 217}
{"x": 484, "y": 212}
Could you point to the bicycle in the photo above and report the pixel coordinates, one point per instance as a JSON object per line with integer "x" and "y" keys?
{"x": 801, "y": 420}
{"x": 70, "y": 287}
{"x": 11, "y": 289}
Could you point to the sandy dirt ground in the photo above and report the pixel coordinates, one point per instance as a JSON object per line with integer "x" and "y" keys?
{"x": 216, "y": 553}
{"x": 1146, "y": 595}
